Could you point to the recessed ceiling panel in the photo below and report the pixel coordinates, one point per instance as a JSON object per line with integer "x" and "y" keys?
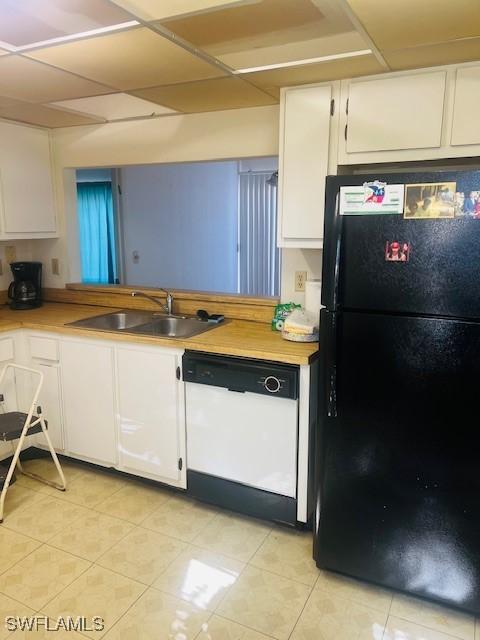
{"x": 431, "y": 55}
{"x": 114, "y": 106}
{"x": 397, "y": 24}
{"x": 160, "y": 9}
{"x": 258, "y": 24}
{"x": 42, "y": 116}
{"x": 273, "y": 80}
{"x": 32, "y": 81}
{"x": 23, "y": 22}
{"x": 208, "y": 95}
{"x": 7, "y": 102}
{"x": 293, "y": 51}
{"x": 128, "y": 60}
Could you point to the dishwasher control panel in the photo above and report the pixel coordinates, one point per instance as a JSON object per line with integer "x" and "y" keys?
{"x": 241, "y": 374}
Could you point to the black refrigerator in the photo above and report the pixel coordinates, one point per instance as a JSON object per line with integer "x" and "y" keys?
{"x": 398, "y": 447}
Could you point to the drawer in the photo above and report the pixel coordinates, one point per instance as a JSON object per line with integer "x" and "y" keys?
{"x": 7, "y": 349}
{"x": 43, "y": 348}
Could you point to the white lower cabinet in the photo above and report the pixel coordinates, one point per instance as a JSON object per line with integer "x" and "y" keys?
{"x": 8, "y": 388}
{"x": 42, "y": 353}
{"x": 151, "y": 414}
{"x": 117, "y": 404}
{"x": 89, "y": 400}
{"x": 50, "y": 400}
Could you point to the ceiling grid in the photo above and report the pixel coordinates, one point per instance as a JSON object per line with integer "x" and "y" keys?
{"x": 76, "y": 62}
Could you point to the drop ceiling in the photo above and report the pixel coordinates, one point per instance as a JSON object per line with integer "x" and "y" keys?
{"x": 75, "y": 62}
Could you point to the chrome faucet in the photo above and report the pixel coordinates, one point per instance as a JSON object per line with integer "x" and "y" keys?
{"x": 167, "y": 308}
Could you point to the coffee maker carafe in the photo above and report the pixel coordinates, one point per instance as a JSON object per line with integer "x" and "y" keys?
{"x": 25, "y": 292}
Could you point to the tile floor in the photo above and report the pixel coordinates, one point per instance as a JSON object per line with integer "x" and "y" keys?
{"x": 156, "y": 565}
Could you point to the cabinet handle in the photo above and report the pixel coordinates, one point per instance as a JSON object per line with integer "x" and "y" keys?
{"x": 346, "y": 129}
{"x": 178, "y": 373}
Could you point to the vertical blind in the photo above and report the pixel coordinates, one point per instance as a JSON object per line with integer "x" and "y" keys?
{"x": 259, "y": 257}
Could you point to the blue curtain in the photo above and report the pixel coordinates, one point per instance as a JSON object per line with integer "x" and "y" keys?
{"x": 97, "y": 232}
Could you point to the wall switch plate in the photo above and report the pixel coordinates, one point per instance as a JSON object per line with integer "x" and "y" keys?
{"x": 10, "y": 254}
{"x": 300, "y": 278}
{"x": 55, "y": 267}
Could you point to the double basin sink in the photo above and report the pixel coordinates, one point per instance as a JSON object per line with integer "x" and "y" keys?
{"x": 145, "y": 323}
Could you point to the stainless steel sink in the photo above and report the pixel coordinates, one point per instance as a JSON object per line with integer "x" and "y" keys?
{"x": 145, "y": 323}
{"x": 118, "y": 321}
{"x": 171, "y": 327}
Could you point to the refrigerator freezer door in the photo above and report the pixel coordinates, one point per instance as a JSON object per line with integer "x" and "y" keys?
{"x": 440, "y": 277}
{"x": 399, "y": 488}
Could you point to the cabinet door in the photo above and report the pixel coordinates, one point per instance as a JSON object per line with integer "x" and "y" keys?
{"x": 151, "y": 419}
{"x": 9, "y": 387}
{"x": 50, "y": 401}
{"x": 466, "y": 114}
{"x": 88, "y": 400}
{"x": 303, "y": 163}
{"x": 403, "y": 112}
{"x": 26, "y": 181}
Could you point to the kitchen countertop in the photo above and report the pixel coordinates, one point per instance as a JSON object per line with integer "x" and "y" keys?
{"x": 234, "y": 337}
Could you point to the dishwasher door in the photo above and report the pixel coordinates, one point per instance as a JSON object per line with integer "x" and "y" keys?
{"x": 244, "y": 437}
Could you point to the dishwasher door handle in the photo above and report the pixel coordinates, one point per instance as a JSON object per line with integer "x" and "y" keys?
{"x": 236, "y": 390}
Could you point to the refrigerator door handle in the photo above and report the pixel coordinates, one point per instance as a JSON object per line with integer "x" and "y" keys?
{"x": 332, "y": 371}
{"x": 332, "y": 394}
{"x": 337, "y": 236}
{"x": 328, "y": 329}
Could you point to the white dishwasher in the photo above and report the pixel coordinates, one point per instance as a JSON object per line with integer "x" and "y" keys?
{"x": 242, "y": 433}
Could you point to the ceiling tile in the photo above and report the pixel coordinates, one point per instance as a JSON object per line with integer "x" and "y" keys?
{"x": 24, "y": 22}
{"x": 292, "y": 51}
{"x": 35, "y": 82}
{"x": 208, "y": 95}
{"x": 128, "y": 60}
{"x": 7, "y": 102}
{"x": 42, "y": 116}
{"x": 155, "y": 10}
{"x": 431, "y": 55}
{"x": 273, "y": 80}
{"x": 259, "y": 24}
{"x": 399, "y": 24}
{"x": 114, "y": 106}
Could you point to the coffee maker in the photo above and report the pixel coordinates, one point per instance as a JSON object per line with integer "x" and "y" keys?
{"x": 25, "y": 292}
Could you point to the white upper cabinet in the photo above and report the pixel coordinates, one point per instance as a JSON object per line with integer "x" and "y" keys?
{"x": 305, "y": 123}
{"x": 151, "y": 414}
{"x": 395, "y": 113}
{"x": 466, "y": 111}
{"x": 27, "y": 204}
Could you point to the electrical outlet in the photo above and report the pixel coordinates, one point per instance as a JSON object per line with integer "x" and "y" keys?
{"x": 55, "y": 267}
{"x": 10, "y": 254}
{"x": 300, "y": 277}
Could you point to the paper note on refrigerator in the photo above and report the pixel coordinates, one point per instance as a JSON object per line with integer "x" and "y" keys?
{"x": 371, "y": 198}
